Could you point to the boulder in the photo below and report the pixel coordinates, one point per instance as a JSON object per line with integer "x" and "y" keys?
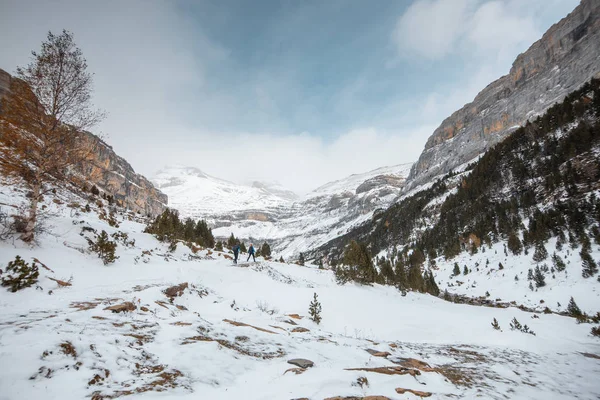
{"x": 301, "y": 362}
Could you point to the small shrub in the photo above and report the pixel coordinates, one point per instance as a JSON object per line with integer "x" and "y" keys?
{"x": 314, "y": 310}
{"x": 514, "y": 324}
{"x": 104, "y": 247}
{"x": 573, "y": 309}
{"x": 19, "y": 274}
{"x": 595, "y": 331}
{"x": 123, "y": 238}
{"x": 495, "y": 324}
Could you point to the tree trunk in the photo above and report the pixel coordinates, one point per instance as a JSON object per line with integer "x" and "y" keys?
{"x": 27, "y": 235}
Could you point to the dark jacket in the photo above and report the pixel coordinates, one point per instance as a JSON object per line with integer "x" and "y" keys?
{"x": 251, "y": 250}
{"x": 236, "y": 249}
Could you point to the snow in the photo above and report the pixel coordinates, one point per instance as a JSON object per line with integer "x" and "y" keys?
{"x": 145, "y": 354}
{"x": 268, "y": 212}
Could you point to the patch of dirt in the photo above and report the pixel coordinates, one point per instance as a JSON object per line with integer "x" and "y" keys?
{"x": 296, "y": 371}
{"x": 377, "y": 353}
{"x": 295, "y": 316}
{"x": 388, "y": 370}
{"x": 176, "y": 291}
{"x": 235, "y": 323}
{"x": 68, "y": 349}
{"x": 179, "y": 323}
{"x": 61, "y": 283}
{"x": 415, "y": 392}
{"x": 123, "y": 307}
{"x": 300, "y": 330}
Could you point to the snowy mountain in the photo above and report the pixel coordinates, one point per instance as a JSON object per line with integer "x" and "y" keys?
{"x": 267, "y": 212}
{"x": 187, "y": 324}
{"x": 201, "y": 196}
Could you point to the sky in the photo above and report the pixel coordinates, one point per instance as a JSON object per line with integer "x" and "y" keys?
{"x": 294, "y": 92}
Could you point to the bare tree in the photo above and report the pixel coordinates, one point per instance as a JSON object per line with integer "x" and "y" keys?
{"x": 43, "y": 118}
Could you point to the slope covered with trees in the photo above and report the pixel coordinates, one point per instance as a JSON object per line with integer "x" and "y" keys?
{"x": 541, "y": 182}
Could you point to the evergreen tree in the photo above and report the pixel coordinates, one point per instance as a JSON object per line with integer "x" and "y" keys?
{"x": 358, "y": 265}
{"x": 465, "y": 270}
{"x": 314, "y": 310}
{"x": 514, "y": 243}
{"x": 590, "y": 268}
{"x": 265, "y": 250}
{"x": 401, "y": 280}
{"x": 539, "y": 278}
{"x": 456, "y": 270}
{"x": 558, "y": 263}
{"x": 301, "y": 259}
{"x": 232, "y": 241}
{"x": 281, "y": 259}
{"x": 514, "y": 324}
{"x": 540, "y": 253}
{"x": 530, "y": 275}
{"x": 495, "y": 325}
{"x": 219, "y": 246}
{"x": 573, "y": 309}
{"x": 104, "y": 247}
{"x": 386, "y": 271}
{"x": 243, "y": 248}
{"x": 19, "y": 274}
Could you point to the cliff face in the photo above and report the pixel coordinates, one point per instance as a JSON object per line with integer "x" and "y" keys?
{"x": 566, "y": 56}
{"x": 112, "y": 173}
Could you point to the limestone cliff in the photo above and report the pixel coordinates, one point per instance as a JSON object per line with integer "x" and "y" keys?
{"x": 111, "y": 173}
{"x": 566, "y": 56}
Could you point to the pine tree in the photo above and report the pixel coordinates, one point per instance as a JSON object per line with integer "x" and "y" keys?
{"x": 540, "y": 253}
{"x": 314, "y": 310}
{"x": 514, "y": 243}
{"x": 465, "y": 270}
{"x": 573, "y": 309}
{"x": 281, "y": 259}
{"x": 19, "y": 274}
{"x": 104, "y": 247}
{"x": 589, "y": 266}
{"x": 558, "y": 263}
{"x": 243, "y": 248}
{"x": 539, "y": 278}
{"x": 514, "y": 324}
{"x": 530, "y": 275}
{"x": 265, "y": 250}
{"x": 301, "y": 259}
{"x": 232, "y": 241}
{"x": 456, "y": 270}
{"x": 495, "y": 324}
{"x": 219, "y": 246}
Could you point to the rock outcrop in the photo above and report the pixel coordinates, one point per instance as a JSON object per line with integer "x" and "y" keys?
{"x": 111, "y": 173}
{"x": 567, "y": 56}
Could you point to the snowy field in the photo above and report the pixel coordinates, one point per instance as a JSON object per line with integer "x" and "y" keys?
{"x": 230, "y": 335}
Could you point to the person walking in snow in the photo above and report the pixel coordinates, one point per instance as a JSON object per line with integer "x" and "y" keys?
{"x": 236, "y": 251}
{"x": 251, "y": 253}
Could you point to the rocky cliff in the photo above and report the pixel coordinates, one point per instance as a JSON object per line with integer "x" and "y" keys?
{"x": 566, "y": 56}
{"x": 111, "y": 173}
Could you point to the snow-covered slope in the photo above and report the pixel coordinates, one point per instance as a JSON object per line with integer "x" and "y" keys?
{"x": 265, "y": 212}
{"x": 229, "y": 335}
{"x": 199, "y": 195}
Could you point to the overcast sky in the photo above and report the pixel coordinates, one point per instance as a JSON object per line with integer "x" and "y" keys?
{"x": 299, "y": 92}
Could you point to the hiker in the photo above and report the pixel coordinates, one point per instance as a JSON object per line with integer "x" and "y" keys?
{"x": 236, "y": 251}
{"x": 251, "y": 253}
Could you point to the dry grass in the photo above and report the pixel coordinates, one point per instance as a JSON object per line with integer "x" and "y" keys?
{"x": 249, "y": 326}
{"x": 388, "y": 370}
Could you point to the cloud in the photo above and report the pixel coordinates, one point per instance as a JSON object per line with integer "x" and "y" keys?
{"x": 435, "y": 29}
{"x": 431, "y": 28}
